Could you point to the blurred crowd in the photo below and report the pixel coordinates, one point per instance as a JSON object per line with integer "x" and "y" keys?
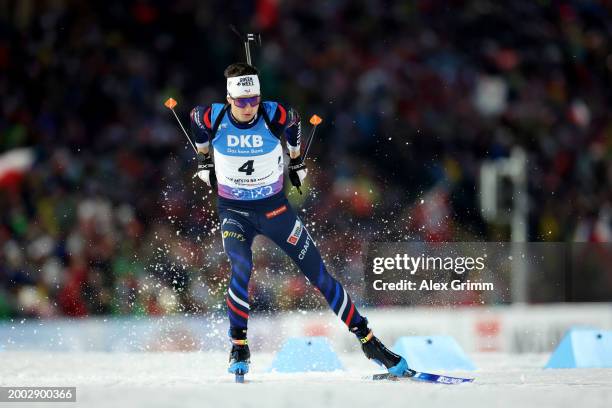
{"x": 414, "y": 96}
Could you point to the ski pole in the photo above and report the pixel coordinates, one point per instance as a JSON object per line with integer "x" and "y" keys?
{"x": 170, "y": 104}
{"x": 314, "y": 121}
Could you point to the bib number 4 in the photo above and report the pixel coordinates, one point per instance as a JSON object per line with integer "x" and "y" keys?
{"x": 247, "y": 168}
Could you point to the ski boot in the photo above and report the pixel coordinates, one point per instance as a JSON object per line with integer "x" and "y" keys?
{"x": 239, "y": 359}
{"x": 374, "y": 350}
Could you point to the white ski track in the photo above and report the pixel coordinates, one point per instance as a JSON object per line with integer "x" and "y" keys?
{"x": 201, "y": 379}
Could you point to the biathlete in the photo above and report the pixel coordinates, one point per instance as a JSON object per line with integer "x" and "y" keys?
{"x": 245, "y": 136}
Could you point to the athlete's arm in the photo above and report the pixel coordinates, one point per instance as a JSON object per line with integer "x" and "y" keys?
{"x": 290, "y": 120}
{"x": 293, "y": 134}
{"x": 201, "y": 128}
{"x": 287, "y": 120}
{"x": 201, "y": 131}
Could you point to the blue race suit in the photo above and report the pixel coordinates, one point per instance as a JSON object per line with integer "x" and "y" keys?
{"x": 249, "y": 168}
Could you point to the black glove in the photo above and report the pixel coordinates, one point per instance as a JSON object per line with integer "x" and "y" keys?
{"x": 297, "y": 172}
{"x": 206, "y": 170}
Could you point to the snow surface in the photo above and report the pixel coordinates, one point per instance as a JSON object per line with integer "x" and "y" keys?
{"x": 199, "y": 379}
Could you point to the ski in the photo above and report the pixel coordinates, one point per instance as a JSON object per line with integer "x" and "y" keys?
{"x": 424, "y": 377}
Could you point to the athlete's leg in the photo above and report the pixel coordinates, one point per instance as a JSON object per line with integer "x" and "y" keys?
{"x": 238, "y": 233}
{"x": 287, "y": 231}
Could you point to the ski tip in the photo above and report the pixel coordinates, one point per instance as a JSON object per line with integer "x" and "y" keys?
{"x": 422, "y": 377}
{"x": 441, "y": 379}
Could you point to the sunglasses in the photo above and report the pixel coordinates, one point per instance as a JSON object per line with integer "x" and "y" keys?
{"x": 243, "y": 102}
